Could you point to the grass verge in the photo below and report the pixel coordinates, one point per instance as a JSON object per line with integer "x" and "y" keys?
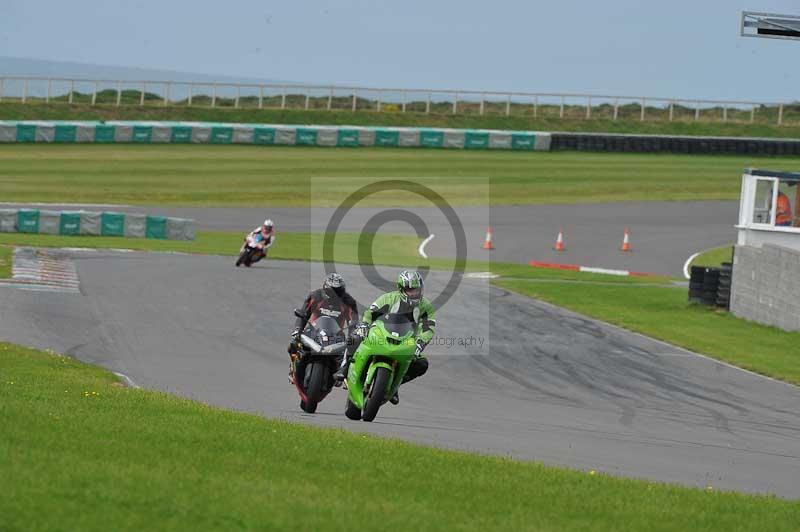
{"x": 764, "y": 127}
{"x": 714, "y": 257}
{"x": 84, "y": 453}
{"x": 207, "y": 175}
{"x": 386, "y": 250}
{"x": 6, "y": 254}
{"x": 664, "y": 313}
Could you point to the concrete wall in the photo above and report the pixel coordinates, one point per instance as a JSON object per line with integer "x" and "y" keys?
{"x": 778, "y": 236}
{"x": 766, "y": 286}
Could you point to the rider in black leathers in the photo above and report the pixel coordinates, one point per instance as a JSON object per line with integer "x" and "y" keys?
{"x": 330, "y": 300}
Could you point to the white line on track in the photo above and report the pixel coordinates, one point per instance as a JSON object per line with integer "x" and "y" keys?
{"x": 604, "y": 271}
{"x": 128, "y": 381}
{"x": 422, "y": 247}
{"x": 687, "y": 263}
{"x": 97, "y": 250}
{"x": 481, "y": 275}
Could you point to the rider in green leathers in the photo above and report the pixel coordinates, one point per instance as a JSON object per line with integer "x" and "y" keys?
{"x": 407, "y": 299}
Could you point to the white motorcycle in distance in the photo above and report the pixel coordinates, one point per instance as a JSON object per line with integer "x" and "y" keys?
{"x": 253, "y": 249}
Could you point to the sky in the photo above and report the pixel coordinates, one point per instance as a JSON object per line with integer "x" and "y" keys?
{"x": 678, "y": 49}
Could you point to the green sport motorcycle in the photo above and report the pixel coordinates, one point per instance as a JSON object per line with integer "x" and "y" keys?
{"x": 379, "y": 365}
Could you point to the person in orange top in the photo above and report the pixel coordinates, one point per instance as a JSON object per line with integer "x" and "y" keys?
{"x": 783, "y": 216}
{"x": 797, "y": 209}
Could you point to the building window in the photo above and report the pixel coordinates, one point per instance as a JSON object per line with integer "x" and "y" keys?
{"x": 787, "y": 205}
{"x": 762, "y": 206}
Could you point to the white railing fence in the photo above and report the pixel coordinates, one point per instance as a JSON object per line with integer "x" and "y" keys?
{"x": 331, "y": 97}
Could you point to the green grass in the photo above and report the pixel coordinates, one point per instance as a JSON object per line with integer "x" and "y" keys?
{"x": 81, "y": 452}
{"x": 629, "y": 122}
{"x": 714, "y": 257}
{"x": 664, "y": 313}
{"x": 230, "y": 175}
{"x": 6, "y": 254}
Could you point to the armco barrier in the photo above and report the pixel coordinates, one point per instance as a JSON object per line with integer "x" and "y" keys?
{"x": 95, "y": 224}
{"x": 268, "y": 134}
{"x": 607, "y": 142}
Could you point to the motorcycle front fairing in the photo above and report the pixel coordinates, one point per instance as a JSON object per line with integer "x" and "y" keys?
{"x": 390, "y": 344}
{"x": 323, "y": 339}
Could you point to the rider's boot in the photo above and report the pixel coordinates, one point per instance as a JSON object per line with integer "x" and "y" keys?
{"x": 341, "y": 375}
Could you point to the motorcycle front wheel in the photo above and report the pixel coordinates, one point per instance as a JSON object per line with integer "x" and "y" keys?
{"x": 241, "y": 258}
{"x": 377, "y": 393}
{"x": 319, "y": 375}
{"x": 352, "y": 411}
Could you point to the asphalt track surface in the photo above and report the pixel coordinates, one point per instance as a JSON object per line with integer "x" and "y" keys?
{"x": 546, "y": 385}
{"x": 663, "y": 234}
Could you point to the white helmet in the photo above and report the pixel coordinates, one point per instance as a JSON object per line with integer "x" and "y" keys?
{"x": 268, "y": 223}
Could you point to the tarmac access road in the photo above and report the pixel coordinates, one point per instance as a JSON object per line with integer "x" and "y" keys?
{"x": 663, "y": 234}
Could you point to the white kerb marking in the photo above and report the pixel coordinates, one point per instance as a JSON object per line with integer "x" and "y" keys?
{"x": 128, "y": 381}
{"x": 687, "y": 263}
{"x": 424, "y": 243}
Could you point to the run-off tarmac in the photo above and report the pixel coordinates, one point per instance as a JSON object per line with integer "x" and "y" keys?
{"x": 546, "y": 384}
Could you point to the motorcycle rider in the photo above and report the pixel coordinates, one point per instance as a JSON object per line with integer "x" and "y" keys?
{"x": 330, "y": 300}
{"x": 266, "y": 232}
{"x": 407, "y": 299}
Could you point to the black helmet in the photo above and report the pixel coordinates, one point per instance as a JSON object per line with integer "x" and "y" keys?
{"x": 335, "y": 282}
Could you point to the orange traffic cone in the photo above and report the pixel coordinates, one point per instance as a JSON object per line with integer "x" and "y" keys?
{"x": 560, "y": 241}
{"x": 488, "y": 243}
{"x": 626, "y": 241}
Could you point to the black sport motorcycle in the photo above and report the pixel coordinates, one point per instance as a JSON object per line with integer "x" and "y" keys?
{"x": 319, "y": 351}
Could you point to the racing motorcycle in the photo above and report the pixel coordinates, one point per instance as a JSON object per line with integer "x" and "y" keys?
{"x": 316, "y": 359}
{"x": 379, "y": 365}
{"x": 252, "y": 250}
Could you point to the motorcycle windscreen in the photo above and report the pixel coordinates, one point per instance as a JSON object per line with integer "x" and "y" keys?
{"x": 327, "y": 330}
{"x": 399, "y": 325}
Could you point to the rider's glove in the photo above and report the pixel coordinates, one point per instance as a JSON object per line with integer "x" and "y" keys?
{"x": 295, "y": 335}
{"x": 361, "y": 330}
{"x": 420, "y": 348}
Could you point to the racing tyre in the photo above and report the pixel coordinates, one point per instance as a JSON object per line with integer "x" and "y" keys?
{"x": 319, "y": 374}
{"x": 352, "y": 411}
{"x": 377, "y": 394}
{"x": 241, "y": 258}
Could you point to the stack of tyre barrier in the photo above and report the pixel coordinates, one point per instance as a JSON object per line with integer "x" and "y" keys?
{"x": 711, "y": 286}
{"x": 696, "y": 284}
{"x": 615, "y": 142}
{"x": 724, "y": 290}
